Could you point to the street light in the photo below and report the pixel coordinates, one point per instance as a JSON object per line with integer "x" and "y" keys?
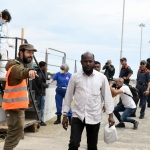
{"x": 141, "y": 25}
{"x": 122, "y": 29}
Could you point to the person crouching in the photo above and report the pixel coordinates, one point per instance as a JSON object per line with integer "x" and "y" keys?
{"x": 127, "y": 106}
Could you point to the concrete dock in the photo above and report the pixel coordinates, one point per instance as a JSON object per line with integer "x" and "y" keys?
{"x": 54, "y": 137}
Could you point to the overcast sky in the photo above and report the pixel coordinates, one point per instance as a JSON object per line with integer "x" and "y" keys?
{"x": 77, "y": 26}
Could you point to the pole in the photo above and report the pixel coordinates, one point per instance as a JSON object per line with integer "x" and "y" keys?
{"x": 22, "y": 35}
{"x": 122, "y": 32}
{"x": 46, "y": 60}
{"x": 141, "y": 25}
{"x": 122, "y": 29}
{"x": 75, "y": 67}
{"x": 141, "y": 43}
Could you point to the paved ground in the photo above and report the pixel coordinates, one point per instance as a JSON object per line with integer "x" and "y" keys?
{"x": 54, "y": 137}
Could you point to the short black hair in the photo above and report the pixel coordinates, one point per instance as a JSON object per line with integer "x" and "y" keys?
{"x": 6, "y": 15}
{"x": 42, "y": 63}
{"x": 97, "y": 62}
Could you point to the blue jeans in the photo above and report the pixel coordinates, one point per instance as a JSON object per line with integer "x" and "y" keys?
{"x": 41, "y": 105}
{"x": 126, "y": 113}
{"x": 60, "y": 94}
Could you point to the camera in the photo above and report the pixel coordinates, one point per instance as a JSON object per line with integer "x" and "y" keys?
{"x": 114, "y": 85}
{"x": 106, "y": 63}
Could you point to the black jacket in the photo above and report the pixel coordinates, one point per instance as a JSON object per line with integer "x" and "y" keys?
{"x": 39, "y": 84}
{"x": 109, "y": 71}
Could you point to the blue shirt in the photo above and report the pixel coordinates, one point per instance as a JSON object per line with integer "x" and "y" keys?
{"x": 62, "y": 79}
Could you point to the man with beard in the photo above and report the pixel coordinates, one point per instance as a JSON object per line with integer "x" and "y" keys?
{"x": 15, "y": 99}
{"x": 87, "y": 87}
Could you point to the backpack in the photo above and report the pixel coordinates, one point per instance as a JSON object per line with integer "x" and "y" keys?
{"x": 135, "y": 94}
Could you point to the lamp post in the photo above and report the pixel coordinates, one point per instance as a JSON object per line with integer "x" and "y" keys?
{"x": 122, "y": 32}
{"x": 141, "y": 25}
{"x": 122, "y": 28}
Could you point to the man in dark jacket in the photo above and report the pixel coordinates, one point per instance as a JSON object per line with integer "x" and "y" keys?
{"x": 40, "y": 89}
{"x": 109, "y": 70}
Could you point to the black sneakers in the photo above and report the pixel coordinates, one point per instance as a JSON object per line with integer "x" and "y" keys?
{"x": 135, "y": 125}
{"x": 141, "y": 117}
{"x": 43, "y": 123}
{"x": 120, "y": 125}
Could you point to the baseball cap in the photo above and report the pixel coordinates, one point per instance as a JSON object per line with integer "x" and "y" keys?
{"x": 123, "y": 59}
{"x": 27, "y": 46}
{"x": 143, "y": 61}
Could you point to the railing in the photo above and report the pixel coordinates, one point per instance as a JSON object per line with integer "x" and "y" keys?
{"x": 16, "y": 44}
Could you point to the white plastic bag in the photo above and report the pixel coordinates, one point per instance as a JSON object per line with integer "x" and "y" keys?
{"x": 110, "y": 134}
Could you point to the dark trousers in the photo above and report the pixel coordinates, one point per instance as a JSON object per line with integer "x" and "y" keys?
{"x": 143, "y": 98}
{"x": 126, "y": 113}
{"x": 15, "y": 121}
{"x": 77, "y": 127}
{"x": 148, "y": 100}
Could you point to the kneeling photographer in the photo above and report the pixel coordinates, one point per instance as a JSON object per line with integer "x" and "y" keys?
{"x": 127, "y": 106}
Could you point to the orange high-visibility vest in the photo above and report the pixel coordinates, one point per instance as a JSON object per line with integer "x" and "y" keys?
{"x": 15, "y": 97}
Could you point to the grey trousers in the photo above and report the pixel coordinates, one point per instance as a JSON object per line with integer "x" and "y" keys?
{"x": 15, "y": 122}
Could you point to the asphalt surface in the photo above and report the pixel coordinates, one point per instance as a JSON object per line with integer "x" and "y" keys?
{"x": 54, "y": 137}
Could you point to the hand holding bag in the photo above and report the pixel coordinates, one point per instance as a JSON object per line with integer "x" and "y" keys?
{"x": 110, "y": 134}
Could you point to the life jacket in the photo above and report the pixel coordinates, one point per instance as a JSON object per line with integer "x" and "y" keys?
{"x": 15, "y": 97}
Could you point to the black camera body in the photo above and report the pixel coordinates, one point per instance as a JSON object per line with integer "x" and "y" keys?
{"x": 114, "y": 85}
{"x": 113, "y": 82}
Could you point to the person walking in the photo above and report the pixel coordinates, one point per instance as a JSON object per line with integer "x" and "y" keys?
{"x": 125, "y": 71}
{"x": 15, "y": 99}
{"x": 40, "y": 89}
{"x": 109, "y": 70}
{"x": 4, "y": 42}
{"x": 128, "y": 106}
{"x": 86, "y": 88}
{"x": 143, "y": 86}
{"x": 62, "y": 79}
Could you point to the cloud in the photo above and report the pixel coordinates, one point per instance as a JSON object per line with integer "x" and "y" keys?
{"x": 79, "y": 25}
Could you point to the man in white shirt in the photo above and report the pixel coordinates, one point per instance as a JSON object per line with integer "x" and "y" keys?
{"x": 5, "y": 18}
{"x": 127, "y": 106}
{"x": 86, "y": 87}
